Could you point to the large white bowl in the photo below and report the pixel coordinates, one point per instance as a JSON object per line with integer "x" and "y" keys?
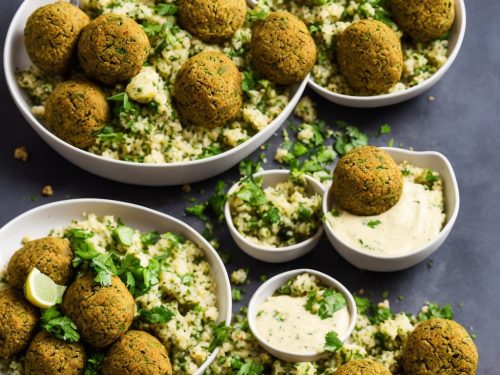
{"x": 15, "y": 57}
{"x": 372, "y": 262}
{"x": 269, "y": 288}
{"x": 268, "y": 253}
{"x": 39, "y": 221}
{"x": 455, "y": 42}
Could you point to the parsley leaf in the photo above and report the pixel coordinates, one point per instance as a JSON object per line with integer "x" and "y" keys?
{"x": 197, "y": 210}
{"x": 124, "y": 235}
{"x": 250, "y": 368}
{"x": 327, "y": 303}
{"x": 373, "y": 223}
{"x": 248, "y": 167}
{"x": 150, "y": 238}
{"x": 166, "y": 9}
{"x": 94, "y": 363}
{"x": 254, "y": 15}
{"x": 349, "y": 139}
{"x": 435, "y": 311}
{"x": 332, "y": 342}
{"x": 217, "y": 201}
{"x": 385, "y": 129}
{"x": 221, "y": 333}
{"x": 159, "y": 314}
{"x": 248, "y": 83}
{"x": 251, "y": 192}
{"x": 272, "y": 215}
{"x": 60, "y": 326}
{"x": 236, "y": 294}
{"x": 363, "y": 304}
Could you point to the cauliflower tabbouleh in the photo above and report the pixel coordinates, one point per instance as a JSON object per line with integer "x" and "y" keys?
{"x": 276, "y": 216}
{"x": 145, "y": 126}
{"x": 379, "y": 334}
{"x": 169, "y": 277}
{"x": 328, "y": 19}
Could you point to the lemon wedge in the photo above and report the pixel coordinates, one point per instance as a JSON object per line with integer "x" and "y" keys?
{"x": 41, "y": 290}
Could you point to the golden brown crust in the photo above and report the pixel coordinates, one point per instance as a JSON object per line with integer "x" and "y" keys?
{"x": 282, "y": 49}
{"x": 362, "y": 367}
{"x": 370, "y": 57}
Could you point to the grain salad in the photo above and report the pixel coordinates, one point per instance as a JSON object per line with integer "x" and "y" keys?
{"x": 327, "y": 19}
{"x": 275, "y": 216}
{"x": 145, "y": 127}
{"x": 168, "y": 276}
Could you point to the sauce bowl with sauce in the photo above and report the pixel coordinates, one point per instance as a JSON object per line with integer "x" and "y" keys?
{"x": 406, "y": 234}
{"x": 299, "y": 334}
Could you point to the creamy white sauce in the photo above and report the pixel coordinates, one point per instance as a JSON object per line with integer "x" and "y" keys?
{"x": 284, "y": 323}
{"x": 413, "y": 222}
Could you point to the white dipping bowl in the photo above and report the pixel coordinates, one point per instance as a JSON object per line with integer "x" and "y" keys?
{"x": 383, "y": 263}
{"x": 268, "y": 253}
{"x": 16, "y": 58}
{"x": 39, "y": 221}
{"x": 456, "y": 38}
{"x": 270, "y": 286}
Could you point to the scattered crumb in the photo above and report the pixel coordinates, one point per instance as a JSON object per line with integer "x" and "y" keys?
{"x": 47, "y": 191}
{"x": 431, "y": 98}
{"x": 21, "y": 153}
{"x": 361, "y": 291}
{"x": 186, "y": 188}
{"x": 306, "y": 110}
{"x": 239, "y": 276}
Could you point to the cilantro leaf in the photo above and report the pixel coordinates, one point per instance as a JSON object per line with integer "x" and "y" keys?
{"x": 150, "y": 238}
{"x": 250, "y": 368}
{"x": 166, "y": 9}
{"x": 254, "y": 15}
{"x": 217, "y": 201}
{"x": 362, "y": 304}
{"x": 373, "y": 223}
{"x": 248, "y": 167}
{"x": 435, "y": 311}
{"x": 124, "y": 235}
{"x": 251, "y": 192}
{"x": 156, "y": 315}
{"x": 236, "y": 294}
{"x": 385, "y": 129}
{"x": 332, "y": 342}
{"x": 272, "y": 215}
{"x": 248, "y": 83}
{"x": 59, "y": 325}
{"x": 221, "y": 334}
{"x": 197, "y": 210}
{"x": 328, "y": 303}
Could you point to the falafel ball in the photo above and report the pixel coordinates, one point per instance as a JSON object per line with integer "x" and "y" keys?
{"x": 51, "y": 36}
{"x": 47, "y": 355}
{"x": 424, "y": 20}
{"x": 75, "y": 111}
{"x": 113, "y": 48}
{"x": 439, "y": 346}
{"x": 18, "y": 320}
{"x": 370, "y": 57}
{"x": 212, "y": 20}
{"x": 282, "y": 49}
{"x": 362, "y": 367}
{"x": 137, "y": 352}
{"x": 366, "y": 181}
{"x": 51, "y": 255}
{"x": 101, "y": 313}
{"x": 207, "y": 90}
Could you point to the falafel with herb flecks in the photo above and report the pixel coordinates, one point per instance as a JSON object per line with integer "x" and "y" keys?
{"x": 207, "y": 90}
{"x": 137, "y": 352}
{"x": 75, "y": 111}
{"x": 18, "y": 320}
{"x": 440, "y": 347}
{"x": 101, "y": 313}
{"x": 370, "y": 57}
{"x": 366, "y": 181}
{"x": 51, "y": 255}
{"x": 362, "y": 367}
{"x": 113, "y": 48}
{"x": 48, "y": 355}
{"x": 51, "y": 36}
{"x": 424, "y": 20}
{"x": 212, "y": 20}
{"x": 282, "y": 49}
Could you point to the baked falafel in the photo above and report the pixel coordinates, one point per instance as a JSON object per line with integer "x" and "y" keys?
{"x": 366, "y": 181}
{"x": 362, "y": 367}
{"x": 212, "y": 20}
{"x": 370, "y": 57}
{"x": 137, "y": 352}
{"x": 101, "y": 313}
{"x": 113, "y": 48}
{"x": 207, "y": 90}
{"x": 48, "y": 355}
{"x": 18, "y": 320}
{"x": 424, "y": 20}
{"x": 439, "y": 346}
{"x": 51, "y": 255}
{"x": 282, "y": 49}
{"x": 51, "y": 36}
{"x": 75, "y": 111}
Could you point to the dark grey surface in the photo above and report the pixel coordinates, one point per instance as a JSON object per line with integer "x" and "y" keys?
{"x": 463, "y": 123}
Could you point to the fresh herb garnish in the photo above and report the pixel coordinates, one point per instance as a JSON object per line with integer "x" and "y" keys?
{"x": 325, "y": 304}
{"x": 94, "y": 363}
{"x": 221, "y": 333}
{"x": 248, "y": 167}
{"x": 166, "y": 9}
{"x": 156, "y": 315}
{"x": 124, "y": 235}
{"x": 236, "y": 294}
{"x": 332, "y": 342}
{"x": 150, "y": 238}
{"x": 373, "y": 223}
{"x": 435, "y": 311}
{"x": 251, "y": 192}
{"x": 60, "y": 326}
{"x": 385, "y": 129}
{"x": 253, "y": 15}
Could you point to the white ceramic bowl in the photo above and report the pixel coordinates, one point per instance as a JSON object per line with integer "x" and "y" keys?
{"x": 270, "y": 286}
{"x": 455, "y": 42}
{"x": 372, "y": 262}
{"x": 39, "y": 221}
{"x": 15, "y": 57}
{"x": 268, "y": 253}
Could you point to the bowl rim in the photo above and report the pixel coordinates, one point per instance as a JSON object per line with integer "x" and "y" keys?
{"x": 206, "y": 248}
{"x": 450, "y": 221}
{"x": 363, "y": 99}
{"x": 330, "y": 283}
{"x": 265, "y": 248}
{"x": 24, "y": 107}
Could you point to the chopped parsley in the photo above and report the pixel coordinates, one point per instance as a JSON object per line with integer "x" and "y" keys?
{"x": 236, "y": 294}
{"x": 248, "y": 83}
{"x": 94, "y": 363}
{"x": 60, "y": 326}
{"x": 385, "y": 129}
{"x": 433, "y": 310}
{"x": 373, "y": 223}
{"x": 156, "y": 315}
{"x": 254, "y": 15}
{"x": 221, "y": 333}
{"x": 166, "y": 9}
{"x": 248, "y": 167}
{"x": 251, "y": 191}
{"x": 332, "y": 342}
{"x": 325, "y": 304}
